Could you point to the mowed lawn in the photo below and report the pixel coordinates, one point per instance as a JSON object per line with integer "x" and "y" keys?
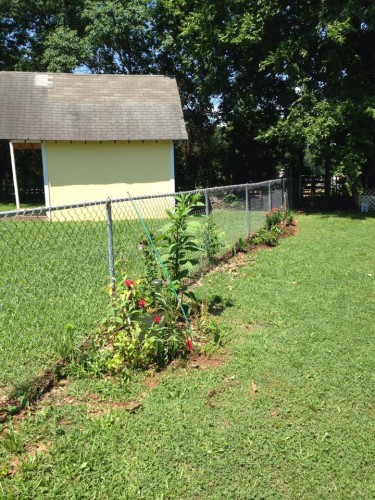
{"x": 289, "y": 414}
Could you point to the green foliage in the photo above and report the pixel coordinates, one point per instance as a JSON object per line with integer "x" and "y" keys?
{"x": 274, "y": 217}
{"x": 63, "y": 50}
{"x": 209, "y": 334}
{"x": 212, "y": 237}
{"x": 266, "y": 237}
{"x": 289, "y": 218}
{"x": 12, "y": 441}
{"x": 263, "y": 84}
{"x": 241, "y": 245}
{"x": 269, "y": 235}
{"x": 141, "y": 328}
{"x": 277, "y": 216}
{"x": 118, "y": 36}
{"x": 230, "y": 198}
{"x": 178, "y": 238}
{"x": 153, "y": 271}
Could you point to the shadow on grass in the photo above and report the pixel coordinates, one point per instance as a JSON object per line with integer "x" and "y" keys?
{"x": 345, "y": 214}
{"x": 217, "y": 305}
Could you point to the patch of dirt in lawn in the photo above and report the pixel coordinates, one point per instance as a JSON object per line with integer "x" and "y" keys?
{"x": 31, "y": 452}
{"x": 201, "y": 361}
{"x": 291, "y": 230}
{"x": 152, "y": 379}
{"x": 230, "y": 263}
{"x": 213, "y": 396}
{"x": 97, "y": 407}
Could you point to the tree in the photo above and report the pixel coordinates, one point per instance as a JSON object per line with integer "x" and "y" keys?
{"x": 266, "y": 85}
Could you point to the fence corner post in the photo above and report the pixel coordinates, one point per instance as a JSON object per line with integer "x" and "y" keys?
{"x": 247, "y": 210}
{"x": 111, "y": 259}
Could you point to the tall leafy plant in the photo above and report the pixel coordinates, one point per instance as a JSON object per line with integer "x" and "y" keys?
{"x": 178, "y": 242}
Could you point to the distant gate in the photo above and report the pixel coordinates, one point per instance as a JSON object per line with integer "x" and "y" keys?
{"x": 312, "y": 189}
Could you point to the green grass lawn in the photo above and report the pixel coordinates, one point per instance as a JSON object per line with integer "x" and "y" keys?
{"x": 6, "y": 207}
{"x": 300, "y": 330}
{"x": 52, "y": 281}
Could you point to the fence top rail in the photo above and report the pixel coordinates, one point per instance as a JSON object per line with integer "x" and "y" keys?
{"x": 42, "y": 211}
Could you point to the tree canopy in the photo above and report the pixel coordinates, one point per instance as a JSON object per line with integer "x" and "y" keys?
{"x": 266, "y": 85}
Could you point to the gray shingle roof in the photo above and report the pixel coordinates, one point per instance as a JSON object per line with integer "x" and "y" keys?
{"x": 58, "y": 106}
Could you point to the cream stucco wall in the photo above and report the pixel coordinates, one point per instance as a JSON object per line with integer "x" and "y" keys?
{"x": 79, "y": 172}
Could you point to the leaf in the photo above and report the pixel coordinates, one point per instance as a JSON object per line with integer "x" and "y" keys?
{"x": 192, "y": 248}
{"x": 166, "y": 228}
{"x": 191, "y": 295}
{"x": 174, "y": 247}
{"x": 183, "y": 274}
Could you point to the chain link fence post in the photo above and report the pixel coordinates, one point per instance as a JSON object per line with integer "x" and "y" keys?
{"x": 247, "y": 210}
{"x": 207, "y": 206}
{"x": 269, "y": 197}
{"x": 111, "y": 259}
{"x": 284, "y": 194}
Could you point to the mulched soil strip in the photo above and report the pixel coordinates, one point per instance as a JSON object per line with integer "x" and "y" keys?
{"x": 12, "y": 407}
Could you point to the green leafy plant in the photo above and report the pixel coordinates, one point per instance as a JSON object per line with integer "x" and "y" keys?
{"x": 212, "y": 237}
{"x": 267, "y": 237}
{"x": 153, "y": 271}
{"x": 230, "y": 198}
{"x": 12, "y": 442}
{"x": 289, "y": 218}
{"x": 241, "y": 246}
{"x": 210, "y": 337}
{"x": 140, "y": 329}
{"x": 178, "y": 238}
{"x": 274, "y": 217}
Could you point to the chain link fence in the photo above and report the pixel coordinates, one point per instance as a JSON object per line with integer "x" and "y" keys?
{"x": 56, "y": 263}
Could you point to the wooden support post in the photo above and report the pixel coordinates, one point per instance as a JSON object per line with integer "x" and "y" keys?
{"x": 15, "y": 183}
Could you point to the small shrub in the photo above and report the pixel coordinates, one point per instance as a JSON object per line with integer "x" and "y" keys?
{"x": 274, "y": 217}
{"x": 212, "y": 237}
{"x": 230, "y": 198}
{"x": 240, "y": 246}
{"x": 210, "y": 338}
{"x": 289, "y": 218}
{"x": 141, "y": 328}
{"x": 267, "y": 237}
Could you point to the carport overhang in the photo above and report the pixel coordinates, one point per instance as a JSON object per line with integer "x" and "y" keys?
{"x": 19, "y": 144}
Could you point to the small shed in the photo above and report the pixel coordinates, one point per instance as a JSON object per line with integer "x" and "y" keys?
{"x": 100, "y": 136}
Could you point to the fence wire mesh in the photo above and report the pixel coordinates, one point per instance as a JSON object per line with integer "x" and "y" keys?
{"x": 55, "y": 265}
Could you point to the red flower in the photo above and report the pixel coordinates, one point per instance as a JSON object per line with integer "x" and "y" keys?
{"x": 129, "y": 283}
{"x": 157, "y": 319}
{"x": 142, "y": 303}
{"x": 189, "y": 344}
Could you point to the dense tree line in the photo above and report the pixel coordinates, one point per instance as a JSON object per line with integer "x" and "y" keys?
{"x": 266, "y": 85}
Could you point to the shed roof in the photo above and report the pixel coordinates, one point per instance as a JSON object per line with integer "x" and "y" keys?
{"x": 60, "y": 106}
